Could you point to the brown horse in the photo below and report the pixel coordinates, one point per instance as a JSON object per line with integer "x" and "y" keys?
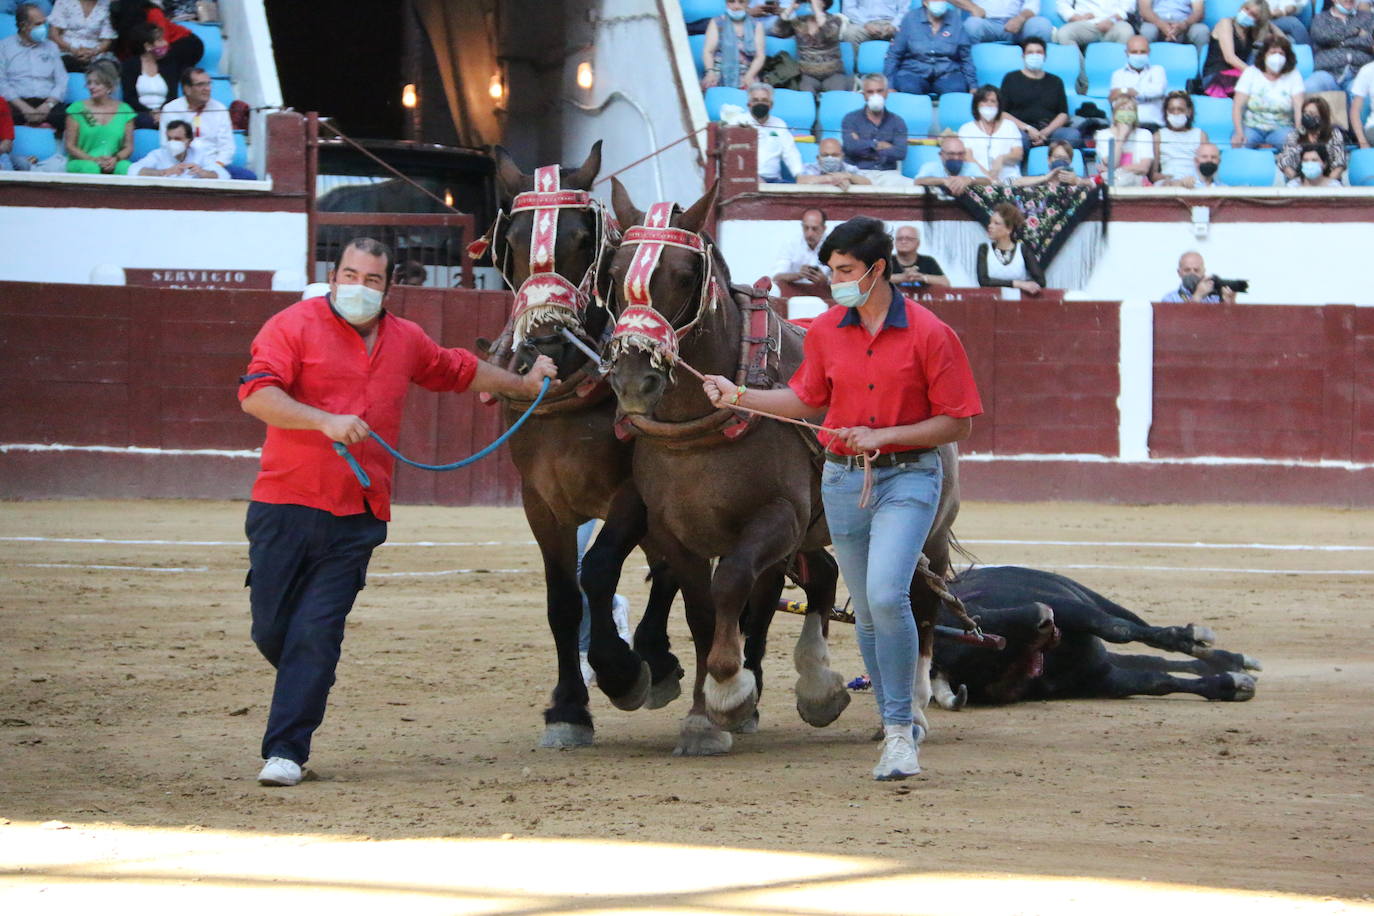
{"x": 753, "y": 501}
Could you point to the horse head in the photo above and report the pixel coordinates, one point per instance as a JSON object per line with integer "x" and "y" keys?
{"x": 662, "y": 285}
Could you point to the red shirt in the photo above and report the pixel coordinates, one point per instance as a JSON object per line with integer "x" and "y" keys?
{"x": 319, "y": 359}
{"x": 913, "y": 369}
{"x": 170, "y": 30}
{"x": 6, "y": 123}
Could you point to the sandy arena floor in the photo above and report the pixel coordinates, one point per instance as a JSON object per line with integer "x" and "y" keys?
{"x": 133, "y": 698}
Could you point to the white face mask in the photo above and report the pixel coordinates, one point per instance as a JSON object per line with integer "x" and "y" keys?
{"x": 876, "y": 103}
{"x": 1177, "y": 121}
{"x": 357, "y": 304}
{"x": 177, "y": 148}
{"x": 1275, "y": 62}
{"x": 987, "y": 112}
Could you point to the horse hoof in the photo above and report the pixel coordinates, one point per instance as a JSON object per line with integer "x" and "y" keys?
{"x": 730, "y": 702}
{"x": 634, "y": 698}
{"x": 663, "y": 692}
{"x": 701, "y": 738}
{"x": 1202, "y": 636}
{"x": 1244, "y": 688}
{"x": 1251, "y": 663}
{"x": 960, "y": 698}
{"x": 566, "y": 734}
{"x": 749, "y": 726}
{"x": 818, "y": 708}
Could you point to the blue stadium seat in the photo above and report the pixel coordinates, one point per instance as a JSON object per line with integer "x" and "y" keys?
{"x": 847, "y": 57}
{"x": 1252, "y": 168}
{"x": 917, "y": 156}
{"x": 717, "y": 96}
{"x": 1102, "y": 60}
{"x": 76, "y": 87}
{"x": 834, "y": 106}
{"x": 807, "y": 148}
{"x": 38, "y": 142}
{"x": 1306, "y": 63}
{"x": 146, "y": 139}
{"x": 1038, "y": 162}
{"x": 240, "y": 150}
{"x": 872, "y": 54}
{"x": 7, "y": 26}
{"x": 222, "y": 91}
{"x": 213, "y": 39}
{"x": 1362, "y": 167}
{"x": 1214, "y": 116}
{"x": 956, "y": 110}
{"x": 1050, "y": 10}
{"x": 692, "y": 10}
{"x": 1213, "y": 11}
{"x": 915, "y": 110}
{"x": 774, "y": 45}
{"x": 993, "y": 61}
{"x": 1179, "y": 61}
{"x": 697, "y": 43}
{"x": 797, "y": 109}
{"x": 1064, "y": 61}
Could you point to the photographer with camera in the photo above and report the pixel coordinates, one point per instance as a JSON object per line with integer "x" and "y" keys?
{"x": 1196, "y": 286}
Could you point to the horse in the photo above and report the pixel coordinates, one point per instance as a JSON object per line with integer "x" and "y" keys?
{"x": 755, "y": 499}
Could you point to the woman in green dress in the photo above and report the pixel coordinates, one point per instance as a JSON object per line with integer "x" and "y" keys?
{"x": 100, "y": 130}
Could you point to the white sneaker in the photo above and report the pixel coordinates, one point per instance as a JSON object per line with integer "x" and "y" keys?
{"x": 620, "y": 613}
{"x": 899, "y": 754}
{"x": 278, "y": 771}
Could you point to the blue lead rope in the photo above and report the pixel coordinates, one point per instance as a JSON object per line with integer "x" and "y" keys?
{"x": 366, "y": 481}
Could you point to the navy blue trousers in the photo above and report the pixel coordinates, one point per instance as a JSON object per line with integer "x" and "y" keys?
{"x": 306, "y": 567}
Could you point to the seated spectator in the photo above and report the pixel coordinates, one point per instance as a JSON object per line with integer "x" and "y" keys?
{"x": 1316, "y": 130}
{"x": 1194, "y": 284}
{"x": 1004, "y": 260}
{"x": 184, "y": 46}
{"x": 1060, "y": 171}
{"x": 1232, "y": 46}
{"x": 1035, "y": 101}
{"x": 733, "y": 53}
{"x": 10, "y": 7}
{"x": 1177, "y": 141}
{"x": 99, "y": 137}
{"x": 764, "y": 12}
{"x": 1005, "y": 20}
{"x": 1143, "y": 81}
{"x": 1206, "y": 161}
{"x": 818, "y": 43}
{"x": 32, "y": 78}
{"x": 1125, "y": 151}
{"x": 82, "y": 31}
{"x": 1362, "y": 94}
{"x": 1268, "y": 102}
{"x": 830, "y": 168}
{"x": 875, "y": 138}
{"x": 931, "y": 53}
{"x": 955, "y": 171}
{"x": 6, "y": 138}
{"x": 1316, "y": 169}
{"x": 873, "y": 20}
{"x": 1176, "y": 21}
{"x": 1284, "y": 15}
{"x": 1089, "y": 21}
{"x": 1342, "y": 36}
{"x": 176, "y": 158}
{"x": 912, "y": 270}
{"x": 150, "y": 79}
{"x": 214, "y": 134}
{"x": 993, "y": 141}
{"x": 800, "y": 261}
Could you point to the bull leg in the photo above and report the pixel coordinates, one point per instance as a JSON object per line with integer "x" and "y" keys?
{"x": 1214, "y": 663}
{"x": 620, "y": 673}
{"x": 821, "y": 694}
{"x": 1125, "y": 682}
{"x": 1190, "y": 640}
{"x": 699, "y": 736}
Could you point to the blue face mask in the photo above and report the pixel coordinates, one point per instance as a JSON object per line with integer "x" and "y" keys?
{"x": 736, "y": 15}
{"x": 1035, "y": 62}
{"x": 1244, "y": 19}
{"x": 1312, "y": 170}
{"x": 1344, "y": 11}
{"x": 937, "y": 8}
{"x": 848, "y": 294}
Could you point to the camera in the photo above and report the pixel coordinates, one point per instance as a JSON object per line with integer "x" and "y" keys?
{"x": 1235, "y": 286}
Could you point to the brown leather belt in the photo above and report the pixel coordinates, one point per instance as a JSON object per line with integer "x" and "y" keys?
{"x": 885, "y": 460}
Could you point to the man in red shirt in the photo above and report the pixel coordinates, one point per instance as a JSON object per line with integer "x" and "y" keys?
{"x": 894, "y": 380}
{"x": 328, "y": 370}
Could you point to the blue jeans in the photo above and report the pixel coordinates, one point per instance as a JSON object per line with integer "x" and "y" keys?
{"x": 1276, "y": 137}
{"x": 584, "y": 540}
{"x": 980, "y": 30}
{"x": 931, "y": 83}
{"x": 305, "y": 569}
{"x": 1326, "y": 81}
{"x": 1292, "y": 27}
{"x": 878, "y": 548}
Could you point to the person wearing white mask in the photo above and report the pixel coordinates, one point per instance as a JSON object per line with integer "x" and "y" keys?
{"x": 176, "y": 158}
{"x": 323, "y": 372}
{"x": 1316, "y": 169}
{"x": 1177, "y": 142}
{"x": 830, "y": 168}
{"x": 874, "y": 139}
{"x": 1268, "y": 101}
{"x": 1143, "y": 81}
{"x": 1036, "y": 100}
{"x": 991, "y": 140}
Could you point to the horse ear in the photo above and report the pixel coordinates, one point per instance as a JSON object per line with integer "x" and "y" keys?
{"x": 512, "y": 181}
{"x": 625, "y": 210}
{"x": 695, "y": 217}
{"x": 581, "y": 180}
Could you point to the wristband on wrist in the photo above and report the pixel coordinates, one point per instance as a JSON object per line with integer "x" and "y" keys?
{"x": 739, "y": 393}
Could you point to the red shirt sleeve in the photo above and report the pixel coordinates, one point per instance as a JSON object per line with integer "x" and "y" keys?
{"x": 441, "y": 369}
{"x": 170, "y": 30}
{"x": 949, "y": 378}
{"x": 6, "y": 123}
{"x": 809, "y": 382}
{"x": 274, "y": 361}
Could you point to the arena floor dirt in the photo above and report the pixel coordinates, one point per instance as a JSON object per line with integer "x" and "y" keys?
{"x": 132, "y": 696}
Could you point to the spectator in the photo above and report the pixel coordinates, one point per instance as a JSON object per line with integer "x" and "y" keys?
{"x": 1316, "y": 130}
{"x": 1004, "y": 260}
{"x": 955, "y": 171}
{"x": 1174, "y": 20}
{"x": 1125, "y": 151}
{"x": 1178, "y": 140}
{"x": 184, "y": 46}
{"x": 99, "y": 136}
{"x": 1232, "y": 45}
{"x": 871, "y": 20}
{"x": 1206, "y": 161}
{"x": 32, "y": 78}
{"x": 1268, "y": 102}
{"x": 733, "y": 53}
{"x": 176, "y": 158}
{"x": 993, "y": 141}
{"x": 1362, "y": 92}
{"x": 800, "y": 261}
{"x": 830, "y": 168}
{"x": 1060, "y": 170}
{"x": 1035, "y": 100}
{"x": 875, "y": 138}
{"x": 1090, "y": 21}
{"x": 931, "y": 53}
{"x": 1284, "y": 15}
{"x": 1194, "y": 284}
{"x": 765, "y": 13}
{"x": 82, "y": 31}
{"x": 6, "y": 138}
{"x": 1143, "y": 81}
{"x": 209, "y": 121}
{"x": 1342, "y": 36}
{"x": 1005, "y": 20}
{"x": 818, "y": 43}
{"x": 10, "y": 7}
{"x": 1316, "y": 168}
{"x": 912, "y": 270}
{"x": 779, "y": 159}
{"x": 150, "y": 79}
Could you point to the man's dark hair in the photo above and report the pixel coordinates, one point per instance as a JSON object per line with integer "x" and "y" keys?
{"x": 824, "y": 219}
{"x": 863, "y": 238}
{"x": 1034, "y": 41}
{"x": 189, "y": 75}
{"x": 144, "y": 34}
{"x": 374, "y": 248}
{"x": 184, "y": 126}
{"x": 21, "y": 14}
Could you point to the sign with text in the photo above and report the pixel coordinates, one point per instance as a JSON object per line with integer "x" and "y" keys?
{"x": 179, "y": 278}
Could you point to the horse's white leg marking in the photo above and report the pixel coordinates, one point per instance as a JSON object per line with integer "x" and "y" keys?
{"x": 821, "y": 694}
